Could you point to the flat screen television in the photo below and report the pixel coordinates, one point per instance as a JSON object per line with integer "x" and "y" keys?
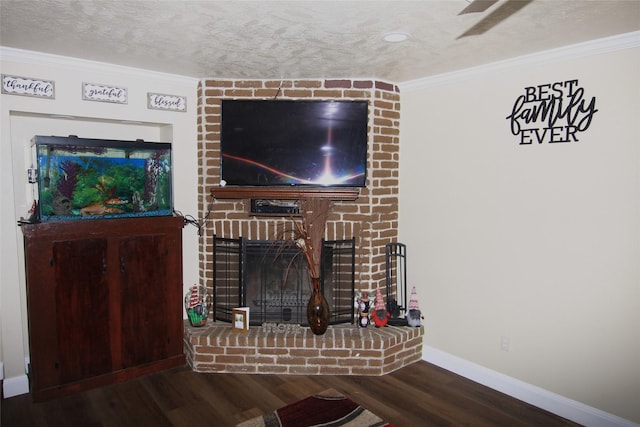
{"x": 294, "y": 143}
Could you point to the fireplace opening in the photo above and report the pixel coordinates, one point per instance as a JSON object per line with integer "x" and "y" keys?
{"x": 272, "y": 279}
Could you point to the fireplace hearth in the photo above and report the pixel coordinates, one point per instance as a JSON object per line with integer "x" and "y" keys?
{"x": 343, "y": 350}
{"x": 271, "y": 278}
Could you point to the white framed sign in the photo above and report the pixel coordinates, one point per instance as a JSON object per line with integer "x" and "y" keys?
{"x": 104, "y": 93}
{"x": 159, "y": 101}
{"x": 26, "y": 86}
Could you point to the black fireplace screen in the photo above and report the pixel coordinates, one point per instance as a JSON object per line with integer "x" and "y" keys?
{"x": 272, "y": 279}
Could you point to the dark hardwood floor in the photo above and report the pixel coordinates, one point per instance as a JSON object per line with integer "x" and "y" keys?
{"x": 418, "y": 395}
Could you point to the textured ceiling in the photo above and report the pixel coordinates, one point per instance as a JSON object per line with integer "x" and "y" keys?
{"x": 306, "y": 39}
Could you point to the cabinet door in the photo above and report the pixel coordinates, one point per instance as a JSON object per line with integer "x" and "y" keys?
{"x": 151, "y": 287}
{"x": 82, "y": 308}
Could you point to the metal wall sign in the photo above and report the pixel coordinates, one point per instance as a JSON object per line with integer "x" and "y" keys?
{"x": 104, "y": 93}
{"x": 158, "y": 101}
{"x": 552, "y": 113}
{"x": 26, "y": 86}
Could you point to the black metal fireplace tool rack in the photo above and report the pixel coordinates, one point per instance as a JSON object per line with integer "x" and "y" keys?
{"x": 396, "y": 283}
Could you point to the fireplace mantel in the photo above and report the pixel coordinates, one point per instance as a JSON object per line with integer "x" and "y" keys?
{"x": 286, "y": 193}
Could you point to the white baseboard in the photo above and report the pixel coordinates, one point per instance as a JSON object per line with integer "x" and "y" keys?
{"x": 15, "y": 386}
{"x": 549, "y": 401}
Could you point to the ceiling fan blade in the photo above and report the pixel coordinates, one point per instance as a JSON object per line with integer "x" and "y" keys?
{"x": 478, "y": 6}
{"x": 506, "y": 9}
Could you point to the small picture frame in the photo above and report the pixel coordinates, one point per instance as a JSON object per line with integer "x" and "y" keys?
{"x": 240, "y": 320}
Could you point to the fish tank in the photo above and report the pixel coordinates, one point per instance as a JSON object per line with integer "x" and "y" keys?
{"x": 79, "y": 178}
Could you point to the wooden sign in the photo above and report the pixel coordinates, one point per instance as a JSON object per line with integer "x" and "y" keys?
{"x": 103, "y": 93}
{"x": 25, "y": 86}
{"x": 158, "y": 101}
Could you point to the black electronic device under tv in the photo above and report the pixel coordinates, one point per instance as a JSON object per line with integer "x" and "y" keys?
{"x": 294, "y": 143}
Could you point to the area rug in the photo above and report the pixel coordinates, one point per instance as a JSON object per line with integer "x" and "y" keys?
{"x": 328, "y": 409}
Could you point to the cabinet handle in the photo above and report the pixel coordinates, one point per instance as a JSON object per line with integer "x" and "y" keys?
{"x": 50, "y": 262}
{"x": 121, "y": 265}
{"x": 104, "y": 265}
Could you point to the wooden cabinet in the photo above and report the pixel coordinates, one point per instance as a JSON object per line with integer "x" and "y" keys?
{"x": 104, "y": 301}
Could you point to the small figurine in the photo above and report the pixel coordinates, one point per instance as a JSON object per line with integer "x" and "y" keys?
{"x": 414, "y": 315}
{"x": 195, "y": 302}
{"x": 380, "y": 314}
{"x": 364, "y": 320}
{"x": 364, "y": 310}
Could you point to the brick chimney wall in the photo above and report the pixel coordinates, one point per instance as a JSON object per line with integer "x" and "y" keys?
{"x": 372, "y": 219}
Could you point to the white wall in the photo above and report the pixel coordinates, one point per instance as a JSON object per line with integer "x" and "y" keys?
{"x": 536, "y": 243}
{"x": 23, "y": 117}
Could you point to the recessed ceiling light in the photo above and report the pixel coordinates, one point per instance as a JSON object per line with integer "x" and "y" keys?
{"x": 395, "y": 37}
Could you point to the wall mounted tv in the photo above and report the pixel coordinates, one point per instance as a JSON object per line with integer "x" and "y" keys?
{"x": 294, "y": 143}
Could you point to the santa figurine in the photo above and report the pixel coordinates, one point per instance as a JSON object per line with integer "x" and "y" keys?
{"x": 413, "y": 315}
{"x": 380, "y": 315}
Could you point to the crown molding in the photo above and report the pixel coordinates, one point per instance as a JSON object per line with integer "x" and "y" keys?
{"x": 599, "y": 46}
{"x": 47, "y": 60}
{"x": 594, "y": 47}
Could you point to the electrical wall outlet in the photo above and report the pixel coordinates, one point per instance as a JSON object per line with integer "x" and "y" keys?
{"x": 505, "y": 343}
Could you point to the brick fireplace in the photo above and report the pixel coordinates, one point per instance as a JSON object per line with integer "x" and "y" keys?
{"x": 370, "y": 217}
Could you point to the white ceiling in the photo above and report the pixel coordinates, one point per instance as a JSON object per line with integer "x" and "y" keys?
{"x": 306, "y": 39}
